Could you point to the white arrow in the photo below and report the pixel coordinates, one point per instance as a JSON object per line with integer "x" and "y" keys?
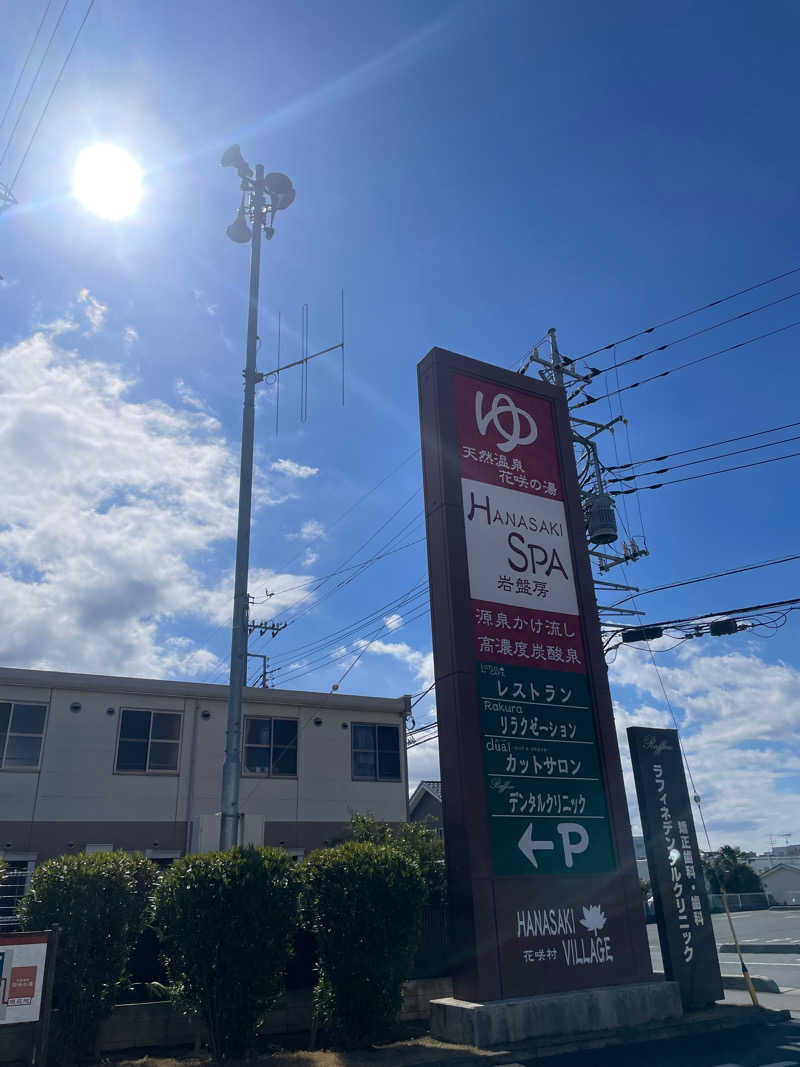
{"x": 529, "y": 847}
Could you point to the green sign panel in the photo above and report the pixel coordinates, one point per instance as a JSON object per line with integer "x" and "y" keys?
{"x": 546, "y": 800}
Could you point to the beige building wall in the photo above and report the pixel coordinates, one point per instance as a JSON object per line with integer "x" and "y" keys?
{"x": 76, "y": 798}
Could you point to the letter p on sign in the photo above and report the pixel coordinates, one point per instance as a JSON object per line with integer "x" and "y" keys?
{"x": 574, "y": 840}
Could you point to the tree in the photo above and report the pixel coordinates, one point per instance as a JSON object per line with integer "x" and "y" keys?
{"x": 363, "y": 903}
{"x": 226, "y": 922}
{"x": 413, "y": 839}
{"x": 727, "y": 869}
{"x": 101, "y": 903}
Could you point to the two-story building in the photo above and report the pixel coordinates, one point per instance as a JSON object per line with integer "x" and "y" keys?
{"x": 89, "y": 763}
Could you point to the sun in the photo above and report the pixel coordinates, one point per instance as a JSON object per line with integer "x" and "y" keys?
{"x": 107, "y": 181}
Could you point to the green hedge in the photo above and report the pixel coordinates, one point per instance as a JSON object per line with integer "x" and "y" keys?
{"x": 363, "y": 903}
{"x": 226, "y": 921}
{"x": 101, "y": 904}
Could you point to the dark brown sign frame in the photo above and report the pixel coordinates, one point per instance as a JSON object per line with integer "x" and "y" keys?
{"x": 488, "y": 937}
{"x": 685, "y": 931}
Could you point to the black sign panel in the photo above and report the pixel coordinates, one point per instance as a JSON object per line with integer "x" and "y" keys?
{"x": 687, "y": 940}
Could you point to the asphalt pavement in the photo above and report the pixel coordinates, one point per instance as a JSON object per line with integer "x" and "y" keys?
{"x": 752, "y": 927}
{"x": 767, "y": 1046}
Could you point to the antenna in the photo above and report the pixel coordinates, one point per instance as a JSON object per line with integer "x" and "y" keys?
{"x": 303, "y": 361}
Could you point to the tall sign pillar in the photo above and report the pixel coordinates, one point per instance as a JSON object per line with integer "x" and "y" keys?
{"x": 544, "y": 893}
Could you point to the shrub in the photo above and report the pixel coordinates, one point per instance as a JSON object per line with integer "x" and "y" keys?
{"x": 363, "y": 902}
{"x": 415, "y": 840}
{"x": 226, "y": 921}
{"x": 101, "y": 903}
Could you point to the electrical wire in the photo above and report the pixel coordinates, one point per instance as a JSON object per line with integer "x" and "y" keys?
{"x": 687, "y": 314}
{"x": 707, "y": 578}
{"x": 593, "y": 372}
{"x": 25, "y": 64}
{"x": 31, "y": 87}
{"x": 707, "y": 474}
{"x": 706, "y": 459}
{"x": 52, "y": 92}
{"x": 699, "y": 448}
{"x": 689, "y": 363}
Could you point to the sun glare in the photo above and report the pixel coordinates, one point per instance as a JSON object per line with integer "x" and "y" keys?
{"x": 107, "y": 181}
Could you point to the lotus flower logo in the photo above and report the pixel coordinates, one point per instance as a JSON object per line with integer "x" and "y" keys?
{"x": 593, "y": 918}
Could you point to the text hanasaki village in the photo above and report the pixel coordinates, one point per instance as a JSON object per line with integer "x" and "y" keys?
{"x": 578, "y": 950}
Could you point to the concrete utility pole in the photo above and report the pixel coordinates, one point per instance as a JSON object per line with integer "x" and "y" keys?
{"x": 261, "y": 215}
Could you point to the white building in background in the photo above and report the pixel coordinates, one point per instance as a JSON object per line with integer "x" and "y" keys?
{"x": 89, "y": 763}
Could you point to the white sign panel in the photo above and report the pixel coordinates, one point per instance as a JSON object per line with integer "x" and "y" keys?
{"x": 21, "y": 979}
{"x": 517, "y": 549}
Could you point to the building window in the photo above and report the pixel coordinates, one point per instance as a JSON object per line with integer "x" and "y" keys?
{"x": 149, "y": 741}
{"x": 376, "y": 752}
{"x": 21, "y": 732}
{"x": 17, "y": 878}
{"x": 270, "y": 747}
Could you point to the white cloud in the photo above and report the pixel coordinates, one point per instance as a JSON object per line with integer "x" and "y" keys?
{"x": 130, "y": 335}
{"x": 739, "y": 719}
{"x": 292, "y": 469}
{"x": 95, "y": 311}
{"x": 310, "y": 557}
{"x": 110, "y": 510}
{"x": 393, "y": 622}
{"x": 311, "y": 530}
{"x": 421, "y": 663}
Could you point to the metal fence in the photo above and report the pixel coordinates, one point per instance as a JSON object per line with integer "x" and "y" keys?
{"x": 739, "y": 901}
{"x": 12, "y": 890}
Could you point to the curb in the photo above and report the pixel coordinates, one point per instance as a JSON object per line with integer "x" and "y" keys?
{"x": 761, "y": 985}
{"x": 736, "y": 981}
{"x": 708, "y": 1021}
{"x": 790, "y": 948}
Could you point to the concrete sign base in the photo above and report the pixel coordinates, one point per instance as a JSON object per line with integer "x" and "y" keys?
{"x": 583, "y": 1011}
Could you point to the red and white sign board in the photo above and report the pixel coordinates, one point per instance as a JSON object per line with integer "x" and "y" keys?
{"x": 22, "y": 962}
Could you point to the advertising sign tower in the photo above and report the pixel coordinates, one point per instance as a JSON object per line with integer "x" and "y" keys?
{"x": 543, "y": 888}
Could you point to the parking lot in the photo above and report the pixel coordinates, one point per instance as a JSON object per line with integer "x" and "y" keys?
{"x": 752, "y": 927}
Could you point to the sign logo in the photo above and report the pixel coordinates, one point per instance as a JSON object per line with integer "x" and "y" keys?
{"x": 504, "y": 405}
{"x": 652, "y": 744}
{"x": 594, "y": 918}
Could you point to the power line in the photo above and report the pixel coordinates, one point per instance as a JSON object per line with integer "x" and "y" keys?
{"x": 707, "y": 578}
{"x": 25, "y": 64}
{"x": 687, "y": 314}
{"x": 593, "y": 372}
{"x": 707, "y": 459}
{"x": 31, "y": 87}
{"x": 699, "y": 448}
{"x": 52, "y": 91}
{"x": 716, "y": 614}
{"x": 689, "y": 363}
{"x": 707, "y": 474}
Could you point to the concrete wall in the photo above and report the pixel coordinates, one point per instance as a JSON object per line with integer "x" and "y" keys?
{"x": 76, "y": 798}
{"x": 158, "y": 1025}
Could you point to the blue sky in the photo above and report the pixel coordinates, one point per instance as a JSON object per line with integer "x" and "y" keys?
{"x": 470, "y": 174}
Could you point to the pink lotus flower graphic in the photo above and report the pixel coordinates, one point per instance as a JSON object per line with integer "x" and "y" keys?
{"x": 593, "y": 918}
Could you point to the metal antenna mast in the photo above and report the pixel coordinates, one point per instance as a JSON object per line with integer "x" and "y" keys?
{"x": 254, "y": 207}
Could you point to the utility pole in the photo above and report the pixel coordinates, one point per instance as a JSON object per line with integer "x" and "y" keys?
{"x": 262, "y": 216}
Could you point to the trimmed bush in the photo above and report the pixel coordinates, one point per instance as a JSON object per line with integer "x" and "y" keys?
{"x": 363, "y": 903}
{"x": 414, "y": 839}
{"x": 101, "y": 904}
{"x": 226, "y": 921}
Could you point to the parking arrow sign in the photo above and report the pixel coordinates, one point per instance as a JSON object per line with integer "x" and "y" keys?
{"x": 529, "y": 847}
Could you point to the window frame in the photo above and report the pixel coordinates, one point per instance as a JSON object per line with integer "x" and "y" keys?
{"x": 147, "y": 771}
{"x": 29, "y": 859}
{"x": 271, "y": 719}
{"x": 31, "y": 769}
{"x": 377, "y": 777}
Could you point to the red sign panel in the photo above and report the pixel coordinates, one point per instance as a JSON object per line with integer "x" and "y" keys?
{"x": 543, "y": 883}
